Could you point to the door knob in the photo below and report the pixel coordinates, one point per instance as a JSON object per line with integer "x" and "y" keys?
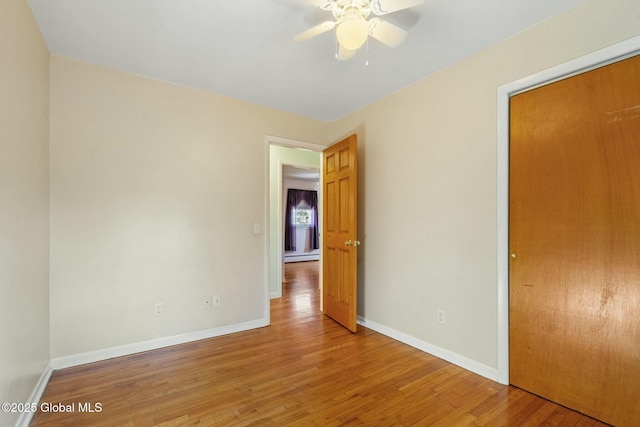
{"x": 348, "y": 243}
{"x": 356, "y": 243}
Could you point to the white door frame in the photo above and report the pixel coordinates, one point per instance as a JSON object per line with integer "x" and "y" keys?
{"x": 277, "y": 232}
{"x": 614, "y": 53}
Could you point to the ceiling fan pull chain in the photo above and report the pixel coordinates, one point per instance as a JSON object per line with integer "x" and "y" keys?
{"x": 366, "y": 53}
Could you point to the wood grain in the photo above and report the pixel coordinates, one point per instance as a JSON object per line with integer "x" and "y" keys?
{"x": 575, "y": 234}
{"x": 303, "y": 370}
{"x": 340, "y": 230}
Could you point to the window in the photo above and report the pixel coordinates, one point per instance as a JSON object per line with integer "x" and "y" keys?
{"x": 302, "y": 216}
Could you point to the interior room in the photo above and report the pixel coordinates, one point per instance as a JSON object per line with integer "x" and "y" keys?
{"x": 301, "y": 235}
{"x": 132, "y": 196}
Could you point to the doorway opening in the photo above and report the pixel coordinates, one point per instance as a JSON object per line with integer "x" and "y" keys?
{"x": 283, "y": 154}
{"x": 301, "y": 214}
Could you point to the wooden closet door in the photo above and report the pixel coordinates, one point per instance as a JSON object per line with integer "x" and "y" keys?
{"x": 574, "y": 230}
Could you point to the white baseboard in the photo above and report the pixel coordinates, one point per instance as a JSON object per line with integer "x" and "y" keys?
{"x": 125, "y": 350}
{"x": 301, "y": 257}
{"x": 449, "y": 356}
{"x": 36, "y": 395}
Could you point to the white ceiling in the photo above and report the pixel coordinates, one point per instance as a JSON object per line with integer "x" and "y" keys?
{"x": 305, "y": 174}
{"x": 245, "y": 48}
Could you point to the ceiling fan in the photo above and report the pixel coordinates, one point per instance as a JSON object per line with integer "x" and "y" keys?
{"x": 354, "y": 23}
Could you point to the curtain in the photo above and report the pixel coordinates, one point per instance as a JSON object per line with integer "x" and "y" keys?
{"x": 294, "y": 198}
{"x": 312, "y": 201}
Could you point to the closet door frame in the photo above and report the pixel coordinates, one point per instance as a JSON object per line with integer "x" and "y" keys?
{"x": 608, "y": 55}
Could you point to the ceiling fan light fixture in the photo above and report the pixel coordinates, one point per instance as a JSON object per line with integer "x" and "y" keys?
{"x": 353, "y": 26}
{"x": 352, "y": 34}
{"x": 353, "y": 31}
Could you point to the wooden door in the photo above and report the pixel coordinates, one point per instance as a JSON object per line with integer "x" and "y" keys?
{"x": 574, "y": 227}
{"x": 340, "y": 232}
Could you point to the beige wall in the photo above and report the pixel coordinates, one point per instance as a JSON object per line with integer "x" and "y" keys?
{"x": 24, "y": 197}
{"x": 429, "y": 199}
{"x": 155, "y": 189}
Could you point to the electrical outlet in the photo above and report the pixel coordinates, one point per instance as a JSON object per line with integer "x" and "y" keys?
{"x": 207, "y": 302}
{"x": 440, "y": 316}
{"x": 216, "y": 300}
{"x": 159, "y": 309}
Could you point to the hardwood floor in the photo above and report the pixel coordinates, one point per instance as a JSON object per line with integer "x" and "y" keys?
{"x": 303, "y": 370}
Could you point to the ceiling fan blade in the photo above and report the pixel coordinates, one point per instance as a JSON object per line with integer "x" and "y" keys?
{"x": 319, "y": 3}
{"x": 344, "y": 54}
{"x": 382, "y": 7}
{"x": 385, "y": 32}
{"x": 314, "y": 31}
